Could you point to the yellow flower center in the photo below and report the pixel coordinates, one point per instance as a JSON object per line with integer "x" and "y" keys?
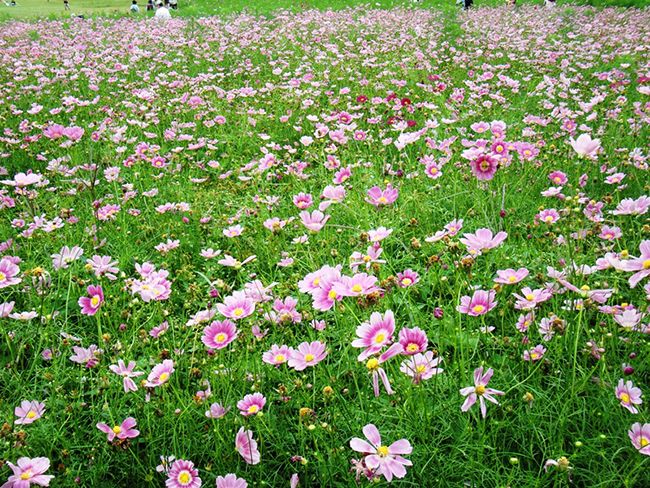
{"x": 557, "y": 179}
{"x": 94, "y": 301}
{"x": 644, "y": 442}
{"x": 382, "y": 451}
{"x": 407, "y": 281}
{"x": 117, "y": 429}
{"x": 220, "y": 337}
{"x": 549, "y": 218}
{"x": 372, "y": 364}
{"x": 379, "y": 338}
{"x": 184, "y": 477}
{"x": 479, "y": 390}
{"x": 530, "y": 297}
{"x": 485, "y": 166}
{"x": 534, "y": 355}
{"x": 382, "y": 200}
{"x": 512, "y": 279}
{"x": 238, "y": 312}
{"x": 412, "y": 347}
{"x": 357, "y": 288}
{"x": 331, "y": 295}
{"x": 420, "y": 368}
{"x": 26, "y": 475}
{"x": 309, "y": 357}
{"x": 253, "y": 409}
{"x": 367, "y": 259}
{"x": 163, "y": 377}
{"x": 625, "y": 398}
{"x": 478, "y": 308}
{"x": 316, "y": 282}
{"x": 280, "y": 358}
{"x": 31, "y": 414}
{"x": 3, "y": 276}
{"x": 646, "y": 264}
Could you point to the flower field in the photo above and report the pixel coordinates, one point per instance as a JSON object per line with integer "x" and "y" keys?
{"x": 326, "y": 248}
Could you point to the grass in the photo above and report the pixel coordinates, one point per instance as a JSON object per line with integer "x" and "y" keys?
{"x": 130, "y": 82}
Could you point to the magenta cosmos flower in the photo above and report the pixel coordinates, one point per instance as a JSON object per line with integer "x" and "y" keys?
{"x": 237, "y": 306}
{"x": 379, "y": 197}
{"x": 480, "y": 303}
{"x": 29, "y": 412}
{"x": 640, "y": 437}
{"x": 414, "y": 341}
{"x": 629, "y": 395}
{"x": 251, "y": 404}
{"x": 28, "y": 471}
{"x": 383, "y": 460}
{"x": 484, "y": 167}
{"x": 247, "y": 446}
{"x": 183, "y": 474}
{"x": 421, "y": 366}
{"x": 231, "y": 481}
{"x": 375, "y": 334}
{"x": 480, "y": 391}
{"x": 277, "y": 355}
{"x": 90, "y": 304}
{"x": 218, "y": 334}
{"x": 534, "y": 354}
{"x": 160, "y": 374}
{"x": 407, "y": 278}
{"x": 307, "y": 354}
{"x": 123, "y": 431}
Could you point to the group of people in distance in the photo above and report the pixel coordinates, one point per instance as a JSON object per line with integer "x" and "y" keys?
{"x": 162, "y": 9}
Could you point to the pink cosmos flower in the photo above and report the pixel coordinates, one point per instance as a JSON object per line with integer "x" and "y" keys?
{"x": 558, "y": 178}
{"x": 28, "y": 471}
{"x": 277, "y": 355}
{"x": 640, "y": 437}
{"x": 384, "y": 460}
{"x": 379, "y": 197}
{"x": 315, "y": 220}
{"x": 251, "y": 404}
{"x": 584, "y": 145}
{"x": 127, "y": 373}
{"x": 379, "y": 234}
{"x": 103, "y": 266}
{"x": 548, "y": 216}
{"x": 421, "y": 366}
{"x": 510, "y": 276}
{"x": 231, "y": 481}
{"x": 303, "y": 200}
{"x": 529, "y": 299}
{"x": 284, "y": 311}
{"x": 371, "y": 257}
{"x": 122, "y": 431}
{"x": 479, "y": 391}
{"x": 610, "y": 233}
{"x": 8, "y": 273}
{"x": 640, "y": 265}
{"x": 629, "y": 395}
{"x": 216, "y": 411}
{"x": 247, "y": 446}
{"x": 29, "y": 412}
{"x": 183, "y": 474}
{"x": 375, "y": 334}
{"x": 413, "y": 340}
{"x": 534, "y": 354}
{"x": 22, "y": 180}
{"x": 358, "y": 285}
{"x": 237, "y": 306}
{"x": 219, "y": 334}
{"x": 67, "y": 255}
{"x": 407, "y": 278}
{"x": 307, "y": 354}
{"x": 483, "y": 240}
{"x": 627, "y": 206}
{"x": 90, "y": 304}
{"x": 377, "y": 372}
{"x": 484, "y": 167}
{"x": 480, "y": 303}
{"x": 233, "y": 231}
{"x": 87, "y": 356}
{"x": 160, "y": 374}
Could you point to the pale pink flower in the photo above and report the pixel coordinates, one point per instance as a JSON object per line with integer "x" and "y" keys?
{"x": 479, "y": 391}
{"x": 247, "y": 446}
{"x": 629, "y": 395}
{"x": 480, "y": 303}
{"x": 384, "y": 460}
{"x": 307, "y": 355}
{"x": 123, "y": 431}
